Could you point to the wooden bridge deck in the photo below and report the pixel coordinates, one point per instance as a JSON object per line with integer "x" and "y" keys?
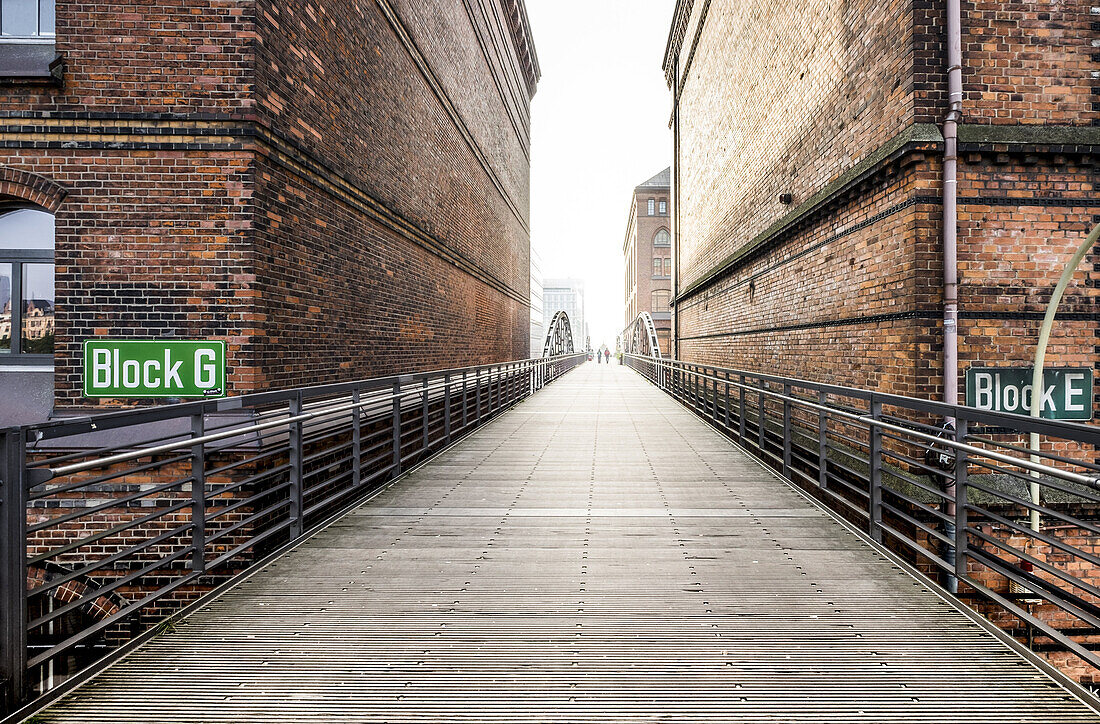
{"x": 597, "y": 554}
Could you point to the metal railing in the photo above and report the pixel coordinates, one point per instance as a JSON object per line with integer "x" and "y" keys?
{"x": 113, "y": 523}
{"x": 944, "y": 487}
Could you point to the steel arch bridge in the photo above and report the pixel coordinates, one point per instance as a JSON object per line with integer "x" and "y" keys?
{"x": 641, "y": 337}
{"x": 559, "y": 336}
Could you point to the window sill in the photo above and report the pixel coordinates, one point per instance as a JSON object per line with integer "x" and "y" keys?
{"x": 30, "y": 62}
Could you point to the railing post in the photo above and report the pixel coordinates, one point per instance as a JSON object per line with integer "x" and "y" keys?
{"x": 786, "y": 431}
{"x": 465, "y": 401}
{"x": 822, "y": 442}
{"x": 426, "y": 442}
{"x": 874, "y": 512}
{"x": 356, "y": 440}
{"x": 741, "y": 410}
{"x": 198, "y": 495}
{"x": 13, "y": 568}
{"x": 447, "y": 407}
{"x": 761, "y": 411}
{"x": 296, "y": 494}
{"x": 961, "y": 462}
{"x": 396, "y": 415}
{"x": 726, "y": 405}
{"x": 477, "y": 394}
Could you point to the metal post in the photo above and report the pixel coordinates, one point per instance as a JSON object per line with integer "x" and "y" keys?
{"x": 296, "y": 495}
{"x": 822, "y": 442}
{"x": 760, "y": 417}
{"x": 726, "y": 404}
{"x": 741, "y": 410}
{"x": 426, "y": 442}
{"x": 874, "y": 512}
{"x": 477, "y": 395}
{"x": 13, "y": 569}
{"x": 356, "y": 441}
{"x": 786, "y": 431}
{"x": 447, "y": 407}
{"x": 396, "y": 414}
{"x": 961, "y": 463}
{"x": 465, "y": 402}
{"x": 198, "y": 495}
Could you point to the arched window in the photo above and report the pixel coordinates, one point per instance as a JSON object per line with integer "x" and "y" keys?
{"x": 26, "y": 284}
{"x": 662, "y": 238}
{"x": 660, "y": 300}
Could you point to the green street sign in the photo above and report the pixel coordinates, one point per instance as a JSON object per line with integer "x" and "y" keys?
{"x": 1067, "y": 393}
{"x": 149, "y": 368}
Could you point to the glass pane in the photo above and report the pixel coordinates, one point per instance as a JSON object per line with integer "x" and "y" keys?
{"x": 26, "y": 228}
{"x": 45, "y": 17}
{"x": 37, "y": 309}
{"x": 5, "y": 308}
{"x": 668, "y": 266}
{"x": 19, "y": 17}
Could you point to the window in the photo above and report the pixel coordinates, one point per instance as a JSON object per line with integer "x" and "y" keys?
{"x": 660, "y": 300}
{"x": 26, "y": 284}
{"x": 663, "y": 207}
{"x": 668, "y": 266}
{"x": 657, "y": 266}
{"x": 27, "y": 18}
{"x": 651, "y": 202}
{"x": 662, "y": 238}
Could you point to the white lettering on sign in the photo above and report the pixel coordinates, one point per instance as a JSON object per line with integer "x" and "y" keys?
{"x": 101, "y": 368}
{"x": 205, "y": 370}
{"x": 151, "y": 379}
{"x": 1071, "y": 393}
{"x": 171, "y": 372}
{"x": 991, "y": 394}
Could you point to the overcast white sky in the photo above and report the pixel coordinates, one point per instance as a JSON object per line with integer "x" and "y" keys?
{"x": 599, "y": 128}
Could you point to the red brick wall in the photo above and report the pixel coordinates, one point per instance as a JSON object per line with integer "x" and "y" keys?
{"x": 324, "y": 188}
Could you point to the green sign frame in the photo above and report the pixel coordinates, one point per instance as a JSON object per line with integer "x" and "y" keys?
{"x": 148, "y": 368}
{"x": 1067, "y": 395}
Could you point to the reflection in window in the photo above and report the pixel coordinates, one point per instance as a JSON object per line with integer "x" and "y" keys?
{"x": 37, "y": 322}
{"x": 662, "y": 238}
{"x": 26, "y": 282}
{"x": 5, "y": 308}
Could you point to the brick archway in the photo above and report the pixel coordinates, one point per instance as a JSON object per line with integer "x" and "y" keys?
{"x": 31, "y": 187}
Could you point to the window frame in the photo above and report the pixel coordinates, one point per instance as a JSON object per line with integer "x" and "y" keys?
{"x": 658, "y": 266}
{"x": 662, "y": 207}
{"x": 662, "y": 245}
{"x": 651, "y": 206}
{"x": 17, "y": 258}
{"x": 38, "y": 37}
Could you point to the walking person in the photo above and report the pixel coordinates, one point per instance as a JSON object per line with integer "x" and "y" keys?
{"x": 607, "y": 355}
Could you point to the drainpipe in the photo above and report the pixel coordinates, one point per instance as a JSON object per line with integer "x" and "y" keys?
{"x": 950, "y": 239}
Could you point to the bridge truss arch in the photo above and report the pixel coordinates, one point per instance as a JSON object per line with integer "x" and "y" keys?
{"x": 559, "y": 336}
{"x": 641, "y": 337}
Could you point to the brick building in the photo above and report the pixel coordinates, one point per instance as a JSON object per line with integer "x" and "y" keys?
{"x": 647, "y": 257}
{"x": 809, "y": 185}
{"x": 337, "y": 190}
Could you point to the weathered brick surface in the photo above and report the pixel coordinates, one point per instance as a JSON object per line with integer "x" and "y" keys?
{"x": 336, "y": 190}
{"x": 642, "y": 278}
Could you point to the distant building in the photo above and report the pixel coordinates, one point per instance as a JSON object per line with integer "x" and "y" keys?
{"x": 538, "y": 324}
{"x": 647, "y": 256}
{"x": 566, "y": 295}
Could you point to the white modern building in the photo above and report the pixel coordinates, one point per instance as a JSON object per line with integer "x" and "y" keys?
{"x": 538, "y": 323}
{"x": 566, "y": 295}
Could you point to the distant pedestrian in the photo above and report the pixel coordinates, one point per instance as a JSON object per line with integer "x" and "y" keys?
{"x": 607, "y": 355}
{"x": 599, "y": 357}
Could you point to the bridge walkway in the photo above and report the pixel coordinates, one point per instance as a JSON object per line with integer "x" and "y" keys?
{"x": 597, "y": 554}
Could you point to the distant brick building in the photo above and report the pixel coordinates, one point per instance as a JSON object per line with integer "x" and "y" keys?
{"x": 647, "y": 257}
{"x": 808, "y": 185}
{"x": 337, "y": 190}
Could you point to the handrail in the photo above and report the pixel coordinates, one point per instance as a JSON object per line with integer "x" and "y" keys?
{"x": 946, "y": 525}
